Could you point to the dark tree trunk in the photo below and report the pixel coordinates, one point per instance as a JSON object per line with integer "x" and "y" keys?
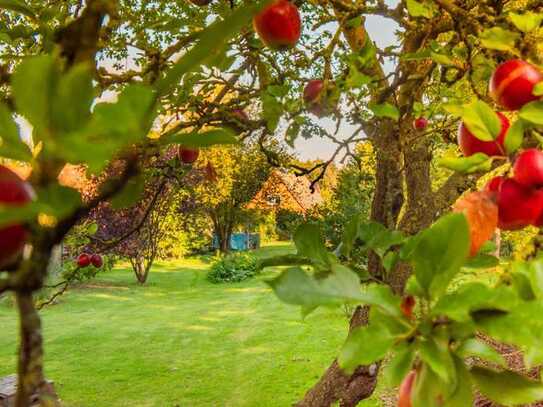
{"x": 335, "y": 385}
{"x": 31, "y": 381}
{"x": 224, "y": 233}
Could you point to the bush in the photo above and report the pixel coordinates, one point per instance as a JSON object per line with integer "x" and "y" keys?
{"x": 233, "y": 268}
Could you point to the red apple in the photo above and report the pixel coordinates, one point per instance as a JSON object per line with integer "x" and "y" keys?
{"x": 97, "y": 261}
{"x": 528, "y": 168}
{"x": 14, "y": 191}
{"x": 420, "y": 124}
{"x": 481, "y": 212}
{"x": 318, "y": 99}
{"x": 518, "y": 206}
{"x": 469, "y": 144}
{"x": 84, "y": 260}
{"x": 513, "y": 82}
{"x": 407, "y": 305}
{"x": 278, "y": 25}
{"x": 313, "y": 96}
{"x": 406, "y": 388}
{"x": 493, "y": 186}
{"x": 188, "y": 155}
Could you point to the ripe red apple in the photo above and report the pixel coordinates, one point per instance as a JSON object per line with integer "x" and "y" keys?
{"x": 314, "y": 95}
{"x": 518, "y": 206}
{"x": 513, "y": 82}
{"x": 317, "y": 98}
{"x": 420, "y": 123}
{"x": 97, "y": 261}
{"x": 481, "y": 212}
{"x": 407, "y": 305}
{"x": 14, "y": 191}
{"x": 406, "y": 388}
{"x": 278, "y": 25}
{"x": 469, "y": 144}
{"x": 84, "y": 260}
{"x": 493, "y": 186}
{"x": 528, "y": 168}
{"x": 188, "y": 155}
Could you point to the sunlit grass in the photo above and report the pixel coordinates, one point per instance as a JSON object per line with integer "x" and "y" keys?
{"x": 180, "y": 340}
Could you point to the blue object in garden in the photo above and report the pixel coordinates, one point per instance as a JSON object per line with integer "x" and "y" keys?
{"x": 240, "y": 241}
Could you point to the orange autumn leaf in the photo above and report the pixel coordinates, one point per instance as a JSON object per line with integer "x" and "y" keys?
{"x": 482, "y": 215}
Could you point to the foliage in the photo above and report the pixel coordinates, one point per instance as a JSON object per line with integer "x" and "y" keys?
{"x": 448, "y": 319}
{"x": 286, "y": 223}
{"x": 184, "y": 233}
{"x": 239, "y": 174}
{"x": 351, "y": 196}
{"x": 233, "y": 268}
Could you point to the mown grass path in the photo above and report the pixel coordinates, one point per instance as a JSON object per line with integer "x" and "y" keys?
{"x": 179, "y": 341}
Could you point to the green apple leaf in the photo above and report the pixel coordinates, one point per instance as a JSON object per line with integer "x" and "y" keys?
{"x": 419, "y": 9}
{"x": 527, "y": 21}
{"x": 538, "y": 89}
{"x": 34, "y": 83}
{"x": 310, "y": 244}
{"x": 515, "y": 136}
{"x": 437, "y": 257}
{"x": 435, "y": 353}
{"x": 399, "y": 365}
{"x": 507, "y": 388}
{"x": 474, "y": 347}
{"x": 296, "y": 286}
{"x": 365, "y": 345}
{"x": 481, "y": 120}
{"x": 74, "y": 95}
{"x": 499, "y": 39}
{"x": 385, "y": 110}
{"x": 532, "y": 112}
{"x": 478, "y": 162}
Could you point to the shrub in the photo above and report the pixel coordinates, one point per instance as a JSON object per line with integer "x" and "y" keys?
{"x": 233, "y": 268}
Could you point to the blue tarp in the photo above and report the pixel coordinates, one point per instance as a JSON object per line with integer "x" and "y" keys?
{"x": 241, "y": 241}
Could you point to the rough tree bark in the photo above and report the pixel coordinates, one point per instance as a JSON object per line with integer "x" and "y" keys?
{"x": 31, "y": 380}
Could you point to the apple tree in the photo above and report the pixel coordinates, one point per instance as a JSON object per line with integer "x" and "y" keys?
{"x": 194, "y": 72}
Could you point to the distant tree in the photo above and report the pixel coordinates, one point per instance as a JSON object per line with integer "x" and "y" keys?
{"x": 351, "y": 194}
{"x": 238, "y": 175}
{"x": 135, "y": 231}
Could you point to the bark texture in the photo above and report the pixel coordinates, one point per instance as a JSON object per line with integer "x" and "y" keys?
{"x": 31, "y": 382}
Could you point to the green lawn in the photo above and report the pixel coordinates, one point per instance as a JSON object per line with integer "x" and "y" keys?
{"x": 179, "y": 341}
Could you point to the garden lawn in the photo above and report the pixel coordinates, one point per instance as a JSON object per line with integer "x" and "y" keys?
{"x": 179, "y": 341}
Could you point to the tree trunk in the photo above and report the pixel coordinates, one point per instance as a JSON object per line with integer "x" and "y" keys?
{"x": 31, "y": 381}
{"x": 224, "y": 233}
{"x": 394, "y": 144}
{"x": 141, "y": 268}
{"x": 335, "y": 385}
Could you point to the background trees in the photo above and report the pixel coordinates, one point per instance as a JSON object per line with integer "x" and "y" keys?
{"x": 239, "y": 173}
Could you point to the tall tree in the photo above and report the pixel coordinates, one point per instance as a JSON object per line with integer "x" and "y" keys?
{"x": 239, "y": 173}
